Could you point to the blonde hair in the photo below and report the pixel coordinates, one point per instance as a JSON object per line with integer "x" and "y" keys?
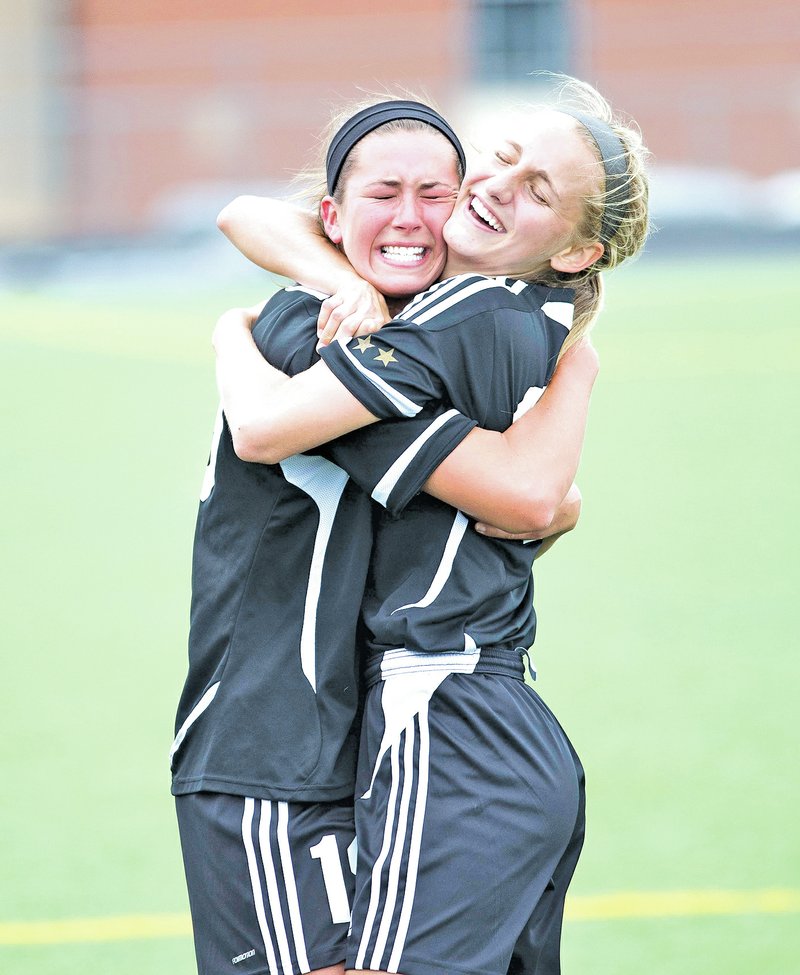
{"x": 629, "y": 203}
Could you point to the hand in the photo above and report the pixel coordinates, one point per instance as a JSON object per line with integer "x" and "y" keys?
{"x": 355, "y": 309}
{"x": 489, "y": 531}
{"x": 565, "y": 519}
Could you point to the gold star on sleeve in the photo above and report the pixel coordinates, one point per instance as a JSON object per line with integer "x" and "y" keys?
{"x": 386, "y": 356}
{"x": 365, "y": 343}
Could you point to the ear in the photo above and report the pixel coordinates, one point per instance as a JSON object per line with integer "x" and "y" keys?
{"x": 330, "y": 219}
{"x": 574, "y": 259}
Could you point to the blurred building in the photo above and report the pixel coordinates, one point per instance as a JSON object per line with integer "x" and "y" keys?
{"x": 115, "y": 114}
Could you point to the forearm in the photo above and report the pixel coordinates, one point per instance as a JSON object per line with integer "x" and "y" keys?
{"x": 272, "y": 416}
{"x": 565, "y": 519}
{"x": 248, "y": 385}
{"x": 516, "y": 480}
{"x": 282, "y": 238}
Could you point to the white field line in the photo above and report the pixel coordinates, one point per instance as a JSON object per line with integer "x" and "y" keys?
{"x": 596, "y": 907}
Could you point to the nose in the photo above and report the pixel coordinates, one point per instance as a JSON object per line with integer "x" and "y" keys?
{"x": 500, "y": 186}
{"x": 407, "y": 216}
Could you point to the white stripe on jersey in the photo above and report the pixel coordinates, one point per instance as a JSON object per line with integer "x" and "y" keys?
{"x": 420, "y": 310}
{"x": 290, "y": 886}
{"x": 445, "y": 566}
{"x": 401, "y": 402}
{"x": 560, "y": 311}
{"x": 209, "y": 476}
{"x": 324, "y": 483}
{"x": 433, "y": 293}
{"x": 255, "y": 883}
{"x": 482, "y": 284}
{"x": 193, "y": 715}
{"x": 388, "y": 482}
{"x": 273, "y": 893}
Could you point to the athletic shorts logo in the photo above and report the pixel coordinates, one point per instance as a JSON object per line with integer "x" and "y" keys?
{"x": 247, "y": 954}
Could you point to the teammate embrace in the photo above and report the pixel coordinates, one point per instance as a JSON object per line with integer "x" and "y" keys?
{"x": 334, "y": 553}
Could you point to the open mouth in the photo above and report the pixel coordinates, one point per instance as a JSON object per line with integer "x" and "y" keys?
{"x": 406, "y": 255}
{"x": 488, "y": 219}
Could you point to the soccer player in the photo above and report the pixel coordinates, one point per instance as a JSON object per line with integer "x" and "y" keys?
{"x": 264, "y": 754}
{"x": 469, "y": 816}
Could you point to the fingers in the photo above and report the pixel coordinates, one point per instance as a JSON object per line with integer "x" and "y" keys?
{"x": 491, "y": 532}
{"x": 341, "y": 322}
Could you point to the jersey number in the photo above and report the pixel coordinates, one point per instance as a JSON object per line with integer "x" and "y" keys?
{"x": 327, "y": 852}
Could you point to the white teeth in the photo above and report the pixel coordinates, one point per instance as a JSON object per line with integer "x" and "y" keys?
{"x": 408, "y": 254}
{"x": 484, "y": 214}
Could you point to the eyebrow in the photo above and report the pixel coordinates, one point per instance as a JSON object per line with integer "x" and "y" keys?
{"x": 541, "y": 173}
{"x": 395, "y": 183}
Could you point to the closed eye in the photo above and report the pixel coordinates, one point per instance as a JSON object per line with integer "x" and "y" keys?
{"x": 538, "y": 196}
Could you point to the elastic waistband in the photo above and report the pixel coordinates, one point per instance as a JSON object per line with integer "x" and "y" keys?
{"x": 486, "y": 660}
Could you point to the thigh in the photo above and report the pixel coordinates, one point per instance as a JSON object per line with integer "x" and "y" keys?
{"x": 468, "y": 805}
{"x": 270, "y": 883}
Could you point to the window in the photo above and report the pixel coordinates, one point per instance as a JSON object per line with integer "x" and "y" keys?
{"x": 515, "y": 37}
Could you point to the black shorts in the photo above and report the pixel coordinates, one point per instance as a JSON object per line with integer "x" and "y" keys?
{"x": 469, "y": 821}
{"x": 270, "y": 883}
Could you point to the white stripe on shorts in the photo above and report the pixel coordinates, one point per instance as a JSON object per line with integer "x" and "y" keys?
{"x": 255, "y": 883}
{"x": 415, "y": 788}
{"x": 272, "y": 885}
{"x": 399, "y": 846}
{"x": 412, "y": 871}
{"x": 377, "y": 867}
{"x": 291, "y": 887}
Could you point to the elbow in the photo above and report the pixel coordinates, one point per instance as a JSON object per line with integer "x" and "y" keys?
{"x": 538, "y": 515}
{"x": 255, "y": 446}
{"x": 228, "y": 218}
{"x": 525, "y": 513}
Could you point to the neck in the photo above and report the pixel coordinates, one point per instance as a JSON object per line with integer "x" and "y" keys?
{"x": 396, "y": 305}
{"x": 454, "y": 265}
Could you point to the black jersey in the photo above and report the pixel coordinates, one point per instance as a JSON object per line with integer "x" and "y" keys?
{"x": 279, "y": 564}
{"x": 487, "y": 347}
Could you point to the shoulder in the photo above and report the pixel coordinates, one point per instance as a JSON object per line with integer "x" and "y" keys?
{"x": 295, "y": 299}
{"x": 470, "y": 296}
{"x": 285, "y": 332}
{"x": 293, "y": 307}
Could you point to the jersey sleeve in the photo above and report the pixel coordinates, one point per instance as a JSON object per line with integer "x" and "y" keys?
{"x": 394, "y": 373}
{"x": 443, "y": 343}
{"x": 392, "y": 461}
{"x": 286, "y": 330}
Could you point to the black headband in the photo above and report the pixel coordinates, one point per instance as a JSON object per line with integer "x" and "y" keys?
{"x": 612, "y": 152}
{"x": 366, "y": 121}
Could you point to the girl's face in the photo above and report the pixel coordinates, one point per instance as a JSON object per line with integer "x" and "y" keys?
{"x": 396, "y": 201}
{"x": 521, "y": 202}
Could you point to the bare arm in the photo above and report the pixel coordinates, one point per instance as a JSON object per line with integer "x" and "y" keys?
{"x": 514, "y": 480}
{"x": 282, "y": 238}
{"x": 565, "y": 519}
{"x": 518, "y": 479}
{"x": 272, "y": 416}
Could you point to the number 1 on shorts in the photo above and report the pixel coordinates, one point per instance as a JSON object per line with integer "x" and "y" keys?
{"x": 327, "y": 852}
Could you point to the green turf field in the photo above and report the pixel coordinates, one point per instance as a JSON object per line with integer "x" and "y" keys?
{"x": 666, "y": 644}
